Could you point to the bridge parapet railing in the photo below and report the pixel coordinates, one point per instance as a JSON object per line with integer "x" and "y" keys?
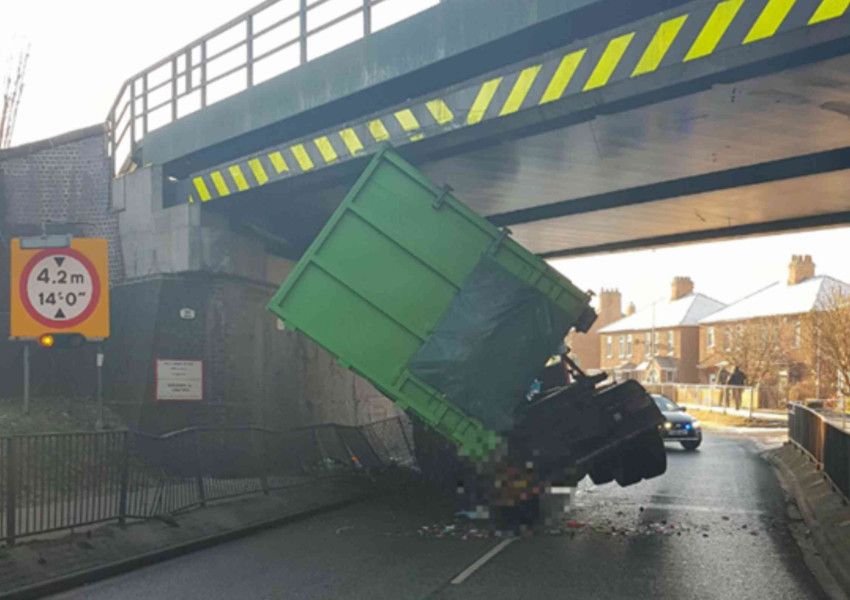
{"x": 825, "y": 441}
{"x": 271, "y": 38}
{"x": 56, "y": 481}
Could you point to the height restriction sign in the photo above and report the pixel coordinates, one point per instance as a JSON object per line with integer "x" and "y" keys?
{"x": 60, "y": 290}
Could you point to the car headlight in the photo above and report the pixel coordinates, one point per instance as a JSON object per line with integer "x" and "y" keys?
{"x": 668, "y": 425}
{"x": 695, "y": 424}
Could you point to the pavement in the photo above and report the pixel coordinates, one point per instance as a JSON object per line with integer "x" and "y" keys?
{"x": 760, "y": 415}
{"x": 717, "y": 525}
{"x": 40, "y": 566}
{"x": 825, "y": 514}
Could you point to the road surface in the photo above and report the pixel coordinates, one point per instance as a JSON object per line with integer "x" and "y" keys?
{"x": 714, "y": 526}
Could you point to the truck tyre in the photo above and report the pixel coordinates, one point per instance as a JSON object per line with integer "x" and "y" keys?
{"x": 603, "y": 471}
{"x": 655, "y": 453}
{"x": 630, "y": 467}
{"x": 642, "y": 458}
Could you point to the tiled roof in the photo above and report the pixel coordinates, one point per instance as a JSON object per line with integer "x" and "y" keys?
{"x": 669, "y": 313}
{"x": 779, "y": 299}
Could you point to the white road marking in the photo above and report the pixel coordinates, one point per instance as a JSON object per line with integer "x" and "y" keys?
{"x": 466, "y": 573}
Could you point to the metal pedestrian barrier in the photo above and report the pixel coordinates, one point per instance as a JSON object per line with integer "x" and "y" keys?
{"x": 269, "y": 39}
{"x": 55, "y": 481}
{"x": 825, "y": 442}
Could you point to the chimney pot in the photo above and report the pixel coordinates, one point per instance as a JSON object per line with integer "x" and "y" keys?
{"x": 802, "y": 267}
{"x": 682, "y": 286}
{"x": 610, "y": 305}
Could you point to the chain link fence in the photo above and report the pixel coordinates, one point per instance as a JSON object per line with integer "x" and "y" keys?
{"x": 50, "y": 482}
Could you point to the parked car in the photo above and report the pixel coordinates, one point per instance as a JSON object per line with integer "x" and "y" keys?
{"x": 678, "y": 426}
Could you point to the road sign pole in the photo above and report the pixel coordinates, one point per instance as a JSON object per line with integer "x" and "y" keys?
{"x": 99, "y": 424}
{"x": 26, "y": 378}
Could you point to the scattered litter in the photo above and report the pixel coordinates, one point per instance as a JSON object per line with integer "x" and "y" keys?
{"x": 463, "y": 531}
{"x": 344, "y": 528}
{"x": 725, "y": 518}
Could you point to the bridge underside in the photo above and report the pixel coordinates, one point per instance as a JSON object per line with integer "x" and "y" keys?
{"x": 766, "y": 154}
{"x": 751, "y": 142}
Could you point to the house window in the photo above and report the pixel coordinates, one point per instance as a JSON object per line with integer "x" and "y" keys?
{"x": 727, "y": 338}
{"x": 709, "y": 337}
{"x": 656, "y": 339}
{"x": 670, "y": 342}
{"x": 798, "y": 334}
{"x": 609, "y": 346}
{"x": 647, "y": 344}
{"x": 629, "y": 345}
{"x": 622, "y": 346}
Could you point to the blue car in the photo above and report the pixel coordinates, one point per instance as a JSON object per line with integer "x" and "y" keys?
{"x": 679, "y": 426}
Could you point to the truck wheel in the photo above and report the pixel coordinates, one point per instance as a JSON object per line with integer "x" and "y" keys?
{"x": 642, "y": 458}
{"x": 629, "y": 470}
{"x": 603, "y": 471}
{"x": 655, "y": 454}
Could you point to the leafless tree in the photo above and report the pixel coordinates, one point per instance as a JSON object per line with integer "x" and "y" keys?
{"x": 12, "y": 89}
{"x": 827, "y": 333}
{"x": 757, "y": 347}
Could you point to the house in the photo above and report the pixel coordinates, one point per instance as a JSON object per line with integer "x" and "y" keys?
{"x": 584, "y": 347}
{"x": 782, "y": 306}
{"x": 659, "y": 343}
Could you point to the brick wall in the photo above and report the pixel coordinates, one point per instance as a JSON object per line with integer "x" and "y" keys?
{"x": 64, "y": 182}
{"x": 254, "y": 373}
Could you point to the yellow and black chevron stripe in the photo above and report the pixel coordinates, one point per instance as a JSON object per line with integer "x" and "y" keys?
{"x": 692, "y": 33}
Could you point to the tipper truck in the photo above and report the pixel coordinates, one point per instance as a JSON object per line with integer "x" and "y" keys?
{"x": 463, "y": 328}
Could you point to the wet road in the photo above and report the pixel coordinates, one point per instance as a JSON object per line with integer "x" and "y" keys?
{"x": 714, "y": 526}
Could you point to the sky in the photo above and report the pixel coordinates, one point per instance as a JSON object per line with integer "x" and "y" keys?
{"x": 726, "y": 271}
{"x": 82, "y": 53}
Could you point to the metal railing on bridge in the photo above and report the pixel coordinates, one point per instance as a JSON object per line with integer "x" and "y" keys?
{"x": 825, "y": 441}
{"x": 271, "y": 38}
{"x": 55, "y": 481}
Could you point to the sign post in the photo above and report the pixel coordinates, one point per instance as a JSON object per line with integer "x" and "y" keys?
{"x": 26, "y": 378}
{"x": 59, "y": 295}
{"x": 99, "y": 359}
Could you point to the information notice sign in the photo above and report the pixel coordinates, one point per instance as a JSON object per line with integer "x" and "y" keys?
{"x": 180, "y": 380}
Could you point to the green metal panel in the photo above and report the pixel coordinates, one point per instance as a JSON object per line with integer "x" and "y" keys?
{"x": 375, "y": 283}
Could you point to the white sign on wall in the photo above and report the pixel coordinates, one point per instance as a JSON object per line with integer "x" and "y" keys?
{"x": 179, "y": 380}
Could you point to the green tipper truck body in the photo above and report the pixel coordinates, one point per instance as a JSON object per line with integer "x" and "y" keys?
{"x": 439, "y": 309}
